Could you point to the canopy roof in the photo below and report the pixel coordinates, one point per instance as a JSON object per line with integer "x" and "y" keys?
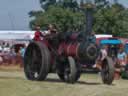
{"x": 110, "y": 42}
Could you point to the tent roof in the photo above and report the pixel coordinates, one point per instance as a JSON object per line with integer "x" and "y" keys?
{"x": 19, "y": 35}
{"x": 110, "y": 42}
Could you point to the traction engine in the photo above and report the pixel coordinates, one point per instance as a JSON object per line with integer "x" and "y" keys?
{"x": 65, "y": 54}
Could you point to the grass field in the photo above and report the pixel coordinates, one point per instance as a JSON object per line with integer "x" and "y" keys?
{"x": 13, "y": 83}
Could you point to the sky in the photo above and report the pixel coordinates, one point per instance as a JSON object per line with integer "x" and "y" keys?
{"x": 14, "y": 13}
{"x": 124, "y": 2}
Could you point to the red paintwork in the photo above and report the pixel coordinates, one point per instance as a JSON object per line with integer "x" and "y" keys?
{"x": 61, "y": 48}
{"x": 37, "y": 36}
{"x": 44, "y": 41}
{"x": 69, "y": 49}
{"x": 74, "y": 36}
{"x": 124, "y": 40}
{"x": 99, "y": 39}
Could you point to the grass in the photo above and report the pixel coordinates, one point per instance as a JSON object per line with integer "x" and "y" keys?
{"x": 9, "y": 68}
{"x": 14, "y": 83}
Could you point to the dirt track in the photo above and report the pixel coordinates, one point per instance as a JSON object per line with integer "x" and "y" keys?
{"x": 15, "y": 84}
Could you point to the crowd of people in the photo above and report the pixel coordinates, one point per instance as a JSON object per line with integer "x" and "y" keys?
{"x": 9, "y": 55}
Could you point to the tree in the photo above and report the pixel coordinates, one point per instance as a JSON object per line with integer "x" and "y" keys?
{"x": 111, "y": 20}
{"x": 65, "y": 14}
{"x": 46, "y": 3}
{"x": 102, "y": 4}
{"x": 63, "y": 3}
{"x": 64, "y": 18}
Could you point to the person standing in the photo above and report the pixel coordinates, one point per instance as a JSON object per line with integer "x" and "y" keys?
{"x": 22, "y": 52}
{"x": 121, "y": 57}
{"x": 12, "y": 55}
{"x": 1, "y": 57}
{"x": 121, "y": 63}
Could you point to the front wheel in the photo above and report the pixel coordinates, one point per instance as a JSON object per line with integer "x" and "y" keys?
{"x": 107, "y": 72}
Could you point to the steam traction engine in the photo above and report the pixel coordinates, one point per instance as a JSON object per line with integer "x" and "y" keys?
{"x": 65, "y": 56}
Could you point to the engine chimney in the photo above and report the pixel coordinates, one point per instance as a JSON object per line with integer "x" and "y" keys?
{"x": 88, "y": 6}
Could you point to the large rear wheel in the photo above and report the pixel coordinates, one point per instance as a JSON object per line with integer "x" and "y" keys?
{"x": 36, "y": 61}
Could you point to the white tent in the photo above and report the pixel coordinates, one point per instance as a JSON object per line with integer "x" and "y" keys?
{"x": 103, "y": 35}
{"x": 16, "y": 35}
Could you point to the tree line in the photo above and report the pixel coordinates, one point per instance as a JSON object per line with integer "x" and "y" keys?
{"x": 67, "y": 15}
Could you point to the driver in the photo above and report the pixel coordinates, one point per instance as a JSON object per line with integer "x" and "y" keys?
{"x": 103, "y": 54}
{"x": 92, "y": 38}
{"x": 52, "y": 29}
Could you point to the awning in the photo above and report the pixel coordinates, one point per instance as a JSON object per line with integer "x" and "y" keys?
{"x": 110, "y": 42}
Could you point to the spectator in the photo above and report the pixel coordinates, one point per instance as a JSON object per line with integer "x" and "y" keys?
{"x": 1, "y": 58}
{"x": 12, "y": 55}
{"x": 121, "y": 57}
{"x": 1, "y": 49}
{"x": 22, "y": 51}
{"x": 121, "y": 63}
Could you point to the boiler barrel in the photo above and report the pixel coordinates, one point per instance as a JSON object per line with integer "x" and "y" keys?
{"x": 72, "y": 49}
{"x": 86, "y": 51}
